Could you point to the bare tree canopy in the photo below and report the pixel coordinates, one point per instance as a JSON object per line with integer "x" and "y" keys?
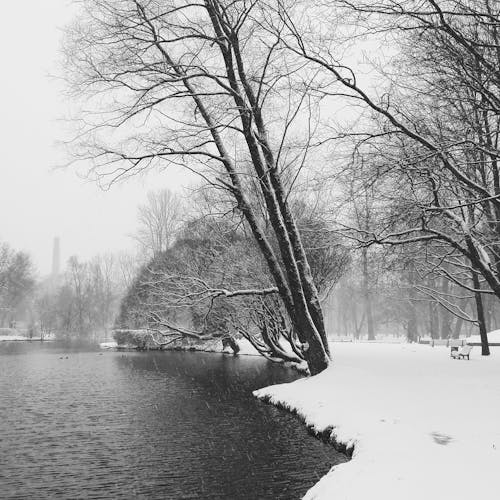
{"x": 208, "y": 86}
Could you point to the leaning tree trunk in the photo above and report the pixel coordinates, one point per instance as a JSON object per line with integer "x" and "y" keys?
{"x": 275, "y": 196}
{"x": 286, "y": 272}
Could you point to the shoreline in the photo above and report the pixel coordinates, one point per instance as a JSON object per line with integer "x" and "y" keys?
{"x": 246, "y": 349}
{"x": 327, "y": 435}
{"x": 416, "y": 423}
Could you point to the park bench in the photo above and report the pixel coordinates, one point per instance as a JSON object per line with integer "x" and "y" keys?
{"x": 461, "y": 353}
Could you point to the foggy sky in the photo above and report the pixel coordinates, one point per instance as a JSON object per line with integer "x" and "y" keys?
{"x": 36, "y": 201}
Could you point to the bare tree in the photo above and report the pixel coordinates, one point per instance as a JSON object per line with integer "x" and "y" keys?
{"x": 159, "y": 220}
{"x": 436, "y": 118}
{"x": 127, "y": 266}
{"x": 205, "y": 85}
{"x": 16, "y": 283}
{"x": 83, "y": 304}
{"x": 460, "y": 38}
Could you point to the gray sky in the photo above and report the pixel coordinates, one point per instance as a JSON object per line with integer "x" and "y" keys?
{"x": 36, "y": 202}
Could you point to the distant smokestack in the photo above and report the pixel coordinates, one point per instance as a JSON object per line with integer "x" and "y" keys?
{"x": 56, "y": 258}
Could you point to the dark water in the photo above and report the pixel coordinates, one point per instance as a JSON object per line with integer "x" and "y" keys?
{"x": 148, "y": 425}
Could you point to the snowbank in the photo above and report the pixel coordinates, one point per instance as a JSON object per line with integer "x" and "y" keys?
{"x": 423, "y": 425}
{"x": 19, "y": 338}
{"x": 108, "y": 345}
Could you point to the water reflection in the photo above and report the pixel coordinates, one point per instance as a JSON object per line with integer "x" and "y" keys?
{"x": 148, "y": 425}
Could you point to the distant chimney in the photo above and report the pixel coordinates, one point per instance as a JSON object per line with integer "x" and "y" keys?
{"x": 56, "y": 258}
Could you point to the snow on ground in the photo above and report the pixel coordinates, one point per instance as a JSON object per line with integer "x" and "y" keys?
{"x": 15, "y": 338}
{"x": 247, "y": 348}
{"x": 493, "y": 338}
{"x": 108, "y": 345}
{"x": 423, "y": 425}
{"x": 10, "y": 338}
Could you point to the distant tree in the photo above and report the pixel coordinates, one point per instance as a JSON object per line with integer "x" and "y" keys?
{"x": 46, "y": 312}
{"x": 84, "y": 304}
{"x": 16, "y": 283}
{"x": 159, "y": 220}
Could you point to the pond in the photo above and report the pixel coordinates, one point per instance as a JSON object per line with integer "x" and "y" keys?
{"x": 155, "y": 425}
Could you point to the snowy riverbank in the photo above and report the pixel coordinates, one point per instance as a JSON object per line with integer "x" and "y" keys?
{"x": 246, "y": 349}
{"x": 423, "y": 425}
{"x": 22, "y": 338}
{"x": 13, "y": 338}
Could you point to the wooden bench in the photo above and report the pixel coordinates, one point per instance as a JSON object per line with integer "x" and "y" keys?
{"x": 462, "y": 353}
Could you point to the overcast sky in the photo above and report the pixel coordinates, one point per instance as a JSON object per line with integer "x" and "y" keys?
{"x": 36, "y": 201}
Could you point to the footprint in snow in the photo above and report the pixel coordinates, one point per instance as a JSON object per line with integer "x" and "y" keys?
{"x": 442, "y": 439}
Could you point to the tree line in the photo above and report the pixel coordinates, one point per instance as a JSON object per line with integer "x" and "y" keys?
{"x": 80, "y": 304}
{"x": 17, "y": 282}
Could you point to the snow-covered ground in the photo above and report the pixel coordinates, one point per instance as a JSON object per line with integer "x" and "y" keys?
{"x": 108, "y": 345}
{"x": 12, "y": 338}
{"x": 423, "y": 425}
{"x": 493, "y": 338}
